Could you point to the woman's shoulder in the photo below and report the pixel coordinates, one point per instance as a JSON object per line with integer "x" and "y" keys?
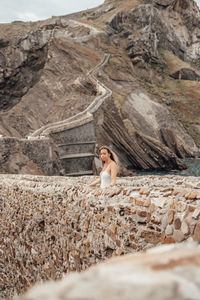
{"x": 113, "y": 164}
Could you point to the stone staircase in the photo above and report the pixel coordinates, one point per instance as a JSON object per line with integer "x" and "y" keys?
{"x": 76, "y": 148}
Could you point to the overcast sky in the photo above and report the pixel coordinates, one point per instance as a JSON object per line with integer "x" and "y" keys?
{"x": 33, "y": 10}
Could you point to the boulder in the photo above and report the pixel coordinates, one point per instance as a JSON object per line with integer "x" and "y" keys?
{"x": 163, "y": 3}
{"x": 185, "y": 74}
{"x": 175, "y": 143}
{"x": 3, "y": 42}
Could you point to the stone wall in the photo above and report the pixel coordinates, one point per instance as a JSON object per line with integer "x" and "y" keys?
{"x": 68, "y": 149}
{"x": 54, "y": 225}
{"x": 76, "y": 147}
{"x": 37, "y": 157}
{"x": 80, "y": 133}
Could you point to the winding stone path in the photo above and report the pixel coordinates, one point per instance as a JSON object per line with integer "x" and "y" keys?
{"x": 96, "y": 103}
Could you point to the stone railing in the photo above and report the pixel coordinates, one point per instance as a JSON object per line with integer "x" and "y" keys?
{"x": 54, "y": 225}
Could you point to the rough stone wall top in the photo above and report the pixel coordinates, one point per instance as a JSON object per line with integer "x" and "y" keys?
{"x": 162, "y": 274}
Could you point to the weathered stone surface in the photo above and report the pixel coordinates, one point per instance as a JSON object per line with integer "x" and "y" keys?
{"x": 169, "y": 230}
{"x": 163, "y": 3}
{"x": 139, "y": 151}
{"x": 196, "y": 236}
{"x": 3, "y": 42}
{"x": 178, "y": 236}
{"x": 191, "y": 208}
{"x": 185, "y": 228}
{"x": 169, "y": 240}
{"x": 156, "y": 25}
{"x": 196, "y": 213}
{"x": 175, "y": 143}
{"x": 177, "y": 224}
{"x": 164, "y": 273}
{"x": 191, "y": 195}
{"x": 164, "y": 223}
{"x": 46, "y": 69}
{"x": 171, "y": 216}
{"x": 190, "y": 220}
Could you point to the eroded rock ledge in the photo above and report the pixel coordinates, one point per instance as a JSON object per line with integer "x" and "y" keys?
{"x": 54, "y": 225}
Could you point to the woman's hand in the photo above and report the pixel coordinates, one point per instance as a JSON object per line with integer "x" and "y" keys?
{"x": 109, "y": 186}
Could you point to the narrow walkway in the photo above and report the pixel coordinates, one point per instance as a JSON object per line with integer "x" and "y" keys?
{"x": 96, "y": 103}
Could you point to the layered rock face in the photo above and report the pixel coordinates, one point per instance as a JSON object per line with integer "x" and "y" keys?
{"x": 164, "y": 273}
{"x": 159, "y": 28}
{"x": 45, "y": 70}
{"x": 148, "y": 30}
{"x": 54, "y": 225}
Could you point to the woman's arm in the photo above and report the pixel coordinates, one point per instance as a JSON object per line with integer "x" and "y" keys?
{"x": 113, "y": 174}
{"x": 95, "y": 182}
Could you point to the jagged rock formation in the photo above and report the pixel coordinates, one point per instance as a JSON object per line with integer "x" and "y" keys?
{"x": 45, "y": 77}
{"x": 55, "y": 225}
{"x": 153, "y": 33}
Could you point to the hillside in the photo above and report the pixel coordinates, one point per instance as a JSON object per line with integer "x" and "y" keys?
{"x": 153, "y": 71}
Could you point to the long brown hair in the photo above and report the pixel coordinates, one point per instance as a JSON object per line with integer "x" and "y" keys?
{"x": 113, "y": 156}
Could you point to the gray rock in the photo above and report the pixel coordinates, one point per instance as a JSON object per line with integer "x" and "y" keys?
{"x": 4, "y": 42}
{"x": 178, "y": 236}
{"x": 196, "y": 213}
{"x": 185, "y": 228}
{"x": 169, "y": 230}
{"x": 185, "y": 74}
{"x": 164, "y": 222}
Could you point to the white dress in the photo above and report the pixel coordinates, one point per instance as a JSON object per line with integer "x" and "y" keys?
{"x": 105, "y": 178}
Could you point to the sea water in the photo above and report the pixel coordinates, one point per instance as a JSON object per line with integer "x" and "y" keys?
{"x": 193, "y": 169}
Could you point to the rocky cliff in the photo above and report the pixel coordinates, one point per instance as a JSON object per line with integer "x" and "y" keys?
{"x": 152, "y": 118}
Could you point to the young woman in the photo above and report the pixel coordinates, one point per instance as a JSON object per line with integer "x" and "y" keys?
{"x": 109, "y": 168}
